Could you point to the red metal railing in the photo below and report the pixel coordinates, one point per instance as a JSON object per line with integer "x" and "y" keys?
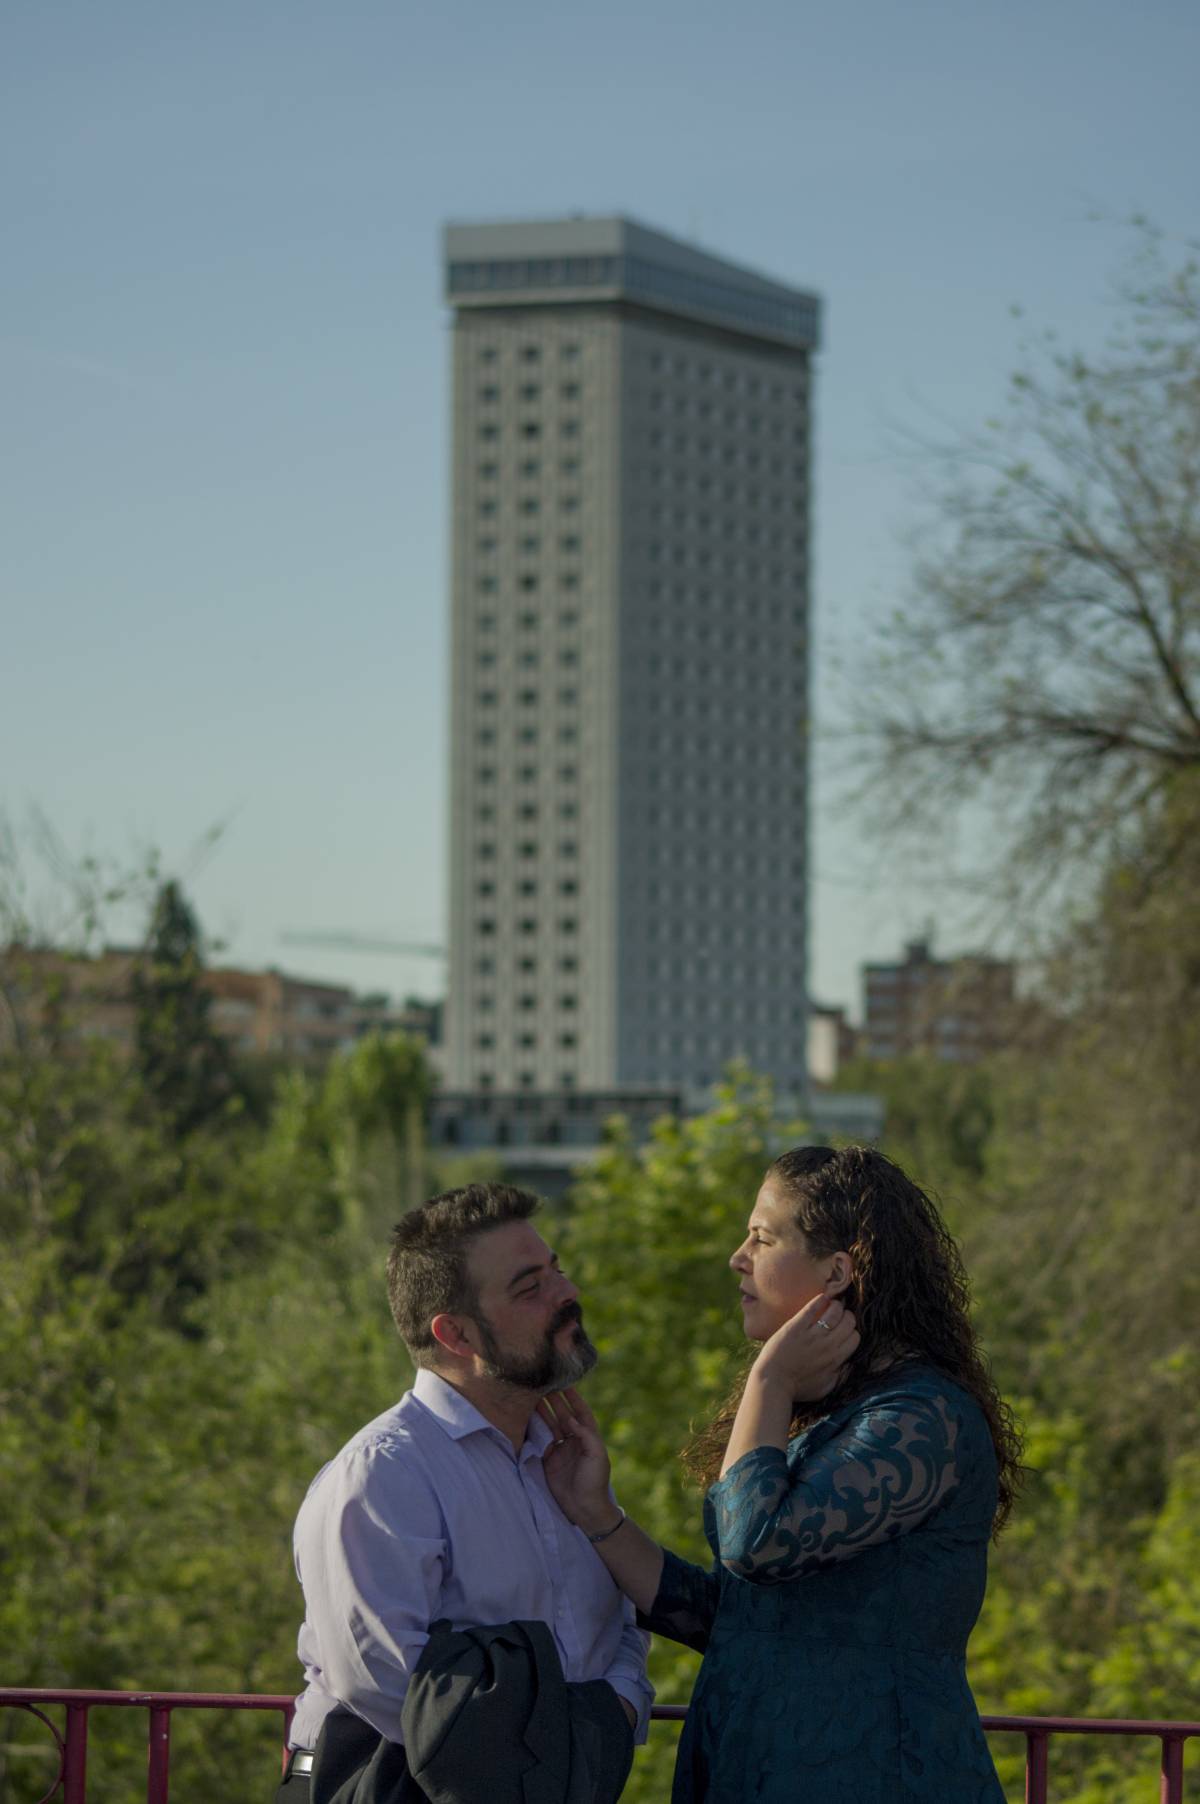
{"x": 70, "y": 1782}
{"x": 73, "y": 1743}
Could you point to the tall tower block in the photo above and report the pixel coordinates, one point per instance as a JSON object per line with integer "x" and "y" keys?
{"x": 629, "y": 661}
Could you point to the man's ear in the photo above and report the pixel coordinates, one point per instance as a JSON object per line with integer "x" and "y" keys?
{"x": 841, "y": 1275}
{"x": 451, "y": 1336}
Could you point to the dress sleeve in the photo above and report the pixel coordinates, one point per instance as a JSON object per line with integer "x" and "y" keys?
{"x": 883, "y": 1475}
{"x": 685, "y": 1603}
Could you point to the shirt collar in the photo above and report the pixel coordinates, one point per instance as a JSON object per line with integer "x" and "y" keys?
{"x": 459, "y": 1417}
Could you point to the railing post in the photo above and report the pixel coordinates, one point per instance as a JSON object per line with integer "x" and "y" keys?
{"x": 75, "y": 1760}
{"x": 159, "y": 1754}
{"x": 1171, "y": 1787}
{"x": 1036, "y": 1745}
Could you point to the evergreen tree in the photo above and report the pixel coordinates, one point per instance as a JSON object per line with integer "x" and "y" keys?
{"x": 183, "y": 1062}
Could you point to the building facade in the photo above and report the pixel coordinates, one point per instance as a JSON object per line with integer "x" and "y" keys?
{"x": 260, "y": 1014}
{"x": 631, "y": 428}
{"x": 956, "y": 1009}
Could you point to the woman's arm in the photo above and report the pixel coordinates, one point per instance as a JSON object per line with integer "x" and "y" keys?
{"x": 578, "y": 1474}
{"x": 800, "y": 1363}
{"x": 883, "y": 1476}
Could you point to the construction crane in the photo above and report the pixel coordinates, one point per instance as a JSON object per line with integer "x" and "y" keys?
{"x": 337, "y": 940}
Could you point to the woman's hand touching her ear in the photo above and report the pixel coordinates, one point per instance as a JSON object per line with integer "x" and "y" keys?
{"x": 807, "y": 1354}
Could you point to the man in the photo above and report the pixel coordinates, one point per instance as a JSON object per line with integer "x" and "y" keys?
{"x": 439, "y": 1509}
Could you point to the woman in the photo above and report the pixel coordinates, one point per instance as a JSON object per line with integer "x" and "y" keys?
{"x": 860, "y": 1472}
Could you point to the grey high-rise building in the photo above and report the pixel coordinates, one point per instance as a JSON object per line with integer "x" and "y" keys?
{"x": 629, "y": 661}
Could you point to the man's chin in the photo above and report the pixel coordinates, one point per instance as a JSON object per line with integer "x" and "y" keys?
{"x": 579, "y": 1362}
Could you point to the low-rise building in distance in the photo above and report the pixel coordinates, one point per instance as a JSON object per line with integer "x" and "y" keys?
{"x": 262, "y": 1014}
{"x": 833, "y": 1041}
{"x": 957, "y": 1009}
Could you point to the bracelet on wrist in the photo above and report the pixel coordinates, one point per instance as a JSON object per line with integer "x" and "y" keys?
{"x": 606, "y": 1532}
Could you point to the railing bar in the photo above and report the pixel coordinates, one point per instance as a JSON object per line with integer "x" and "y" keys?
{"x": 159, "y": 1754}
{"x": 1036, "y": 1767}
{"x": 75, "y": 1759}
{"x": 1171, "y": 1786}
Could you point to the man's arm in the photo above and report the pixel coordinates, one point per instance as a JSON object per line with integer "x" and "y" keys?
{"x": 627, "y": 1674}
{"x": 370, "y": 1550}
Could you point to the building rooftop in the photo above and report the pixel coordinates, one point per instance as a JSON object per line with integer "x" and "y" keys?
{"x": 580, "y": 259}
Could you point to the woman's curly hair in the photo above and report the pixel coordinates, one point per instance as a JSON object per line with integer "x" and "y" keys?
{"x": 909, "y": 1292}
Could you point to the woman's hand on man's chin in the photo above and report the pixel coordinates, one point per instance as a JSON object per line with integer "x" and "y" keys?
{"x": 576, "y": 1462}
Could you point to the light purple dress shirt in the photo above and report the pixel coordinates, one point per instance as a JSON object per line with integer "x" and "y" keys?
{"x": 427, "y": 1513}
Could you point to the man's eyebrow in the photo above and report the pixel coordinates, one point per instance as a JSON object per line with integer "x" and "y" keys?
{"x": 531, "y": 1271}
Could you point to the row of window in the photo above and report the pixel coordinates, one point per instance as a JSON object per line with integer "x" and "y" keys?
{"x": 723, "y": 632}
{"x": 529, "y": 431}
{"x": 530, "y": 470}
{"x": 527, "y": 886}
{"x": 726, "y": 510}
{"x": 728, "y": 1008}
{"x": 487, "y": 849}
{"x": 487, "y": 659}
{"x": 486, "y": 1080}
{"x": 727, "y": 552}
{"x": 489, "y": 509}
{"x": 569, "y": 545}
{"x": 528, "y": 506}
{"x": 531, "y": 353}
{"x": 527, "y": 811}
{"x": 685, "y": 444}
{"x": 759, "y": 935}
{"x": 526, "y": 698}
{"x": 485, "y": 966}
{"x": 526, "y": 1003}
{"x": 485, "y": 1042}
{"x": 527, "y": 773}
{"x": 694, "y": 598}
{"x": 743, "y": 493}
{"x": 485, "y": 926}
{"x": 733, "y": 379}
{"x": 663, "y": 363}
{"x": 733, "y": 418}
{"x": 529, "y": 620}
{"x": 528, "y": 392}
{"x": 566, "y": 733}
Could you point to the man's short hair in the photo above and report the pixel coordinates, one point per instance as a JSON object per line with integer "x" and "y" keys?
{"x": 427, "y": 1265}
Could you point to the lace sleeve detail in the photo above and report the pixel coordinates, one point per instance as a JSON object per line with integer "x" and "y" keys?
{"x": 685, "y": 1603}
{"x": 884, "y": 1475}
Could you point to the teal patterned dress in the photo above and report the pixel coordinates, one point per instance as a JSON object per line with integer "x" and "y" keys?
{"x": 848, "y": 1575}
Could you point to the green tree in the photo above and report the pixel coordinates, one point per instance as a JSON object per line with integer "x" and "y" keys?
{"x": 647, "y": 1234}
{"x": 184, "y": 1063}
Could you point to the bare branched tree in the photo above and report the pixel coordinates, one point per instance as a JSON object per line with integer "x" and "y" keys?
{"x": 1047, "y": 667}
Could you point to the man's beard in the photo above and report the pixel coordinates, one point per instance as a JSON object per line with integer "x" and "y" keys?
{"x": 551, "y": 1368}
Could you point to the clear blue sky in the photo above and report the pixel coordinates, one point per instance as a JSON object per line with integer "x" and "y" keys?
{"x": 223, "y": 367}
